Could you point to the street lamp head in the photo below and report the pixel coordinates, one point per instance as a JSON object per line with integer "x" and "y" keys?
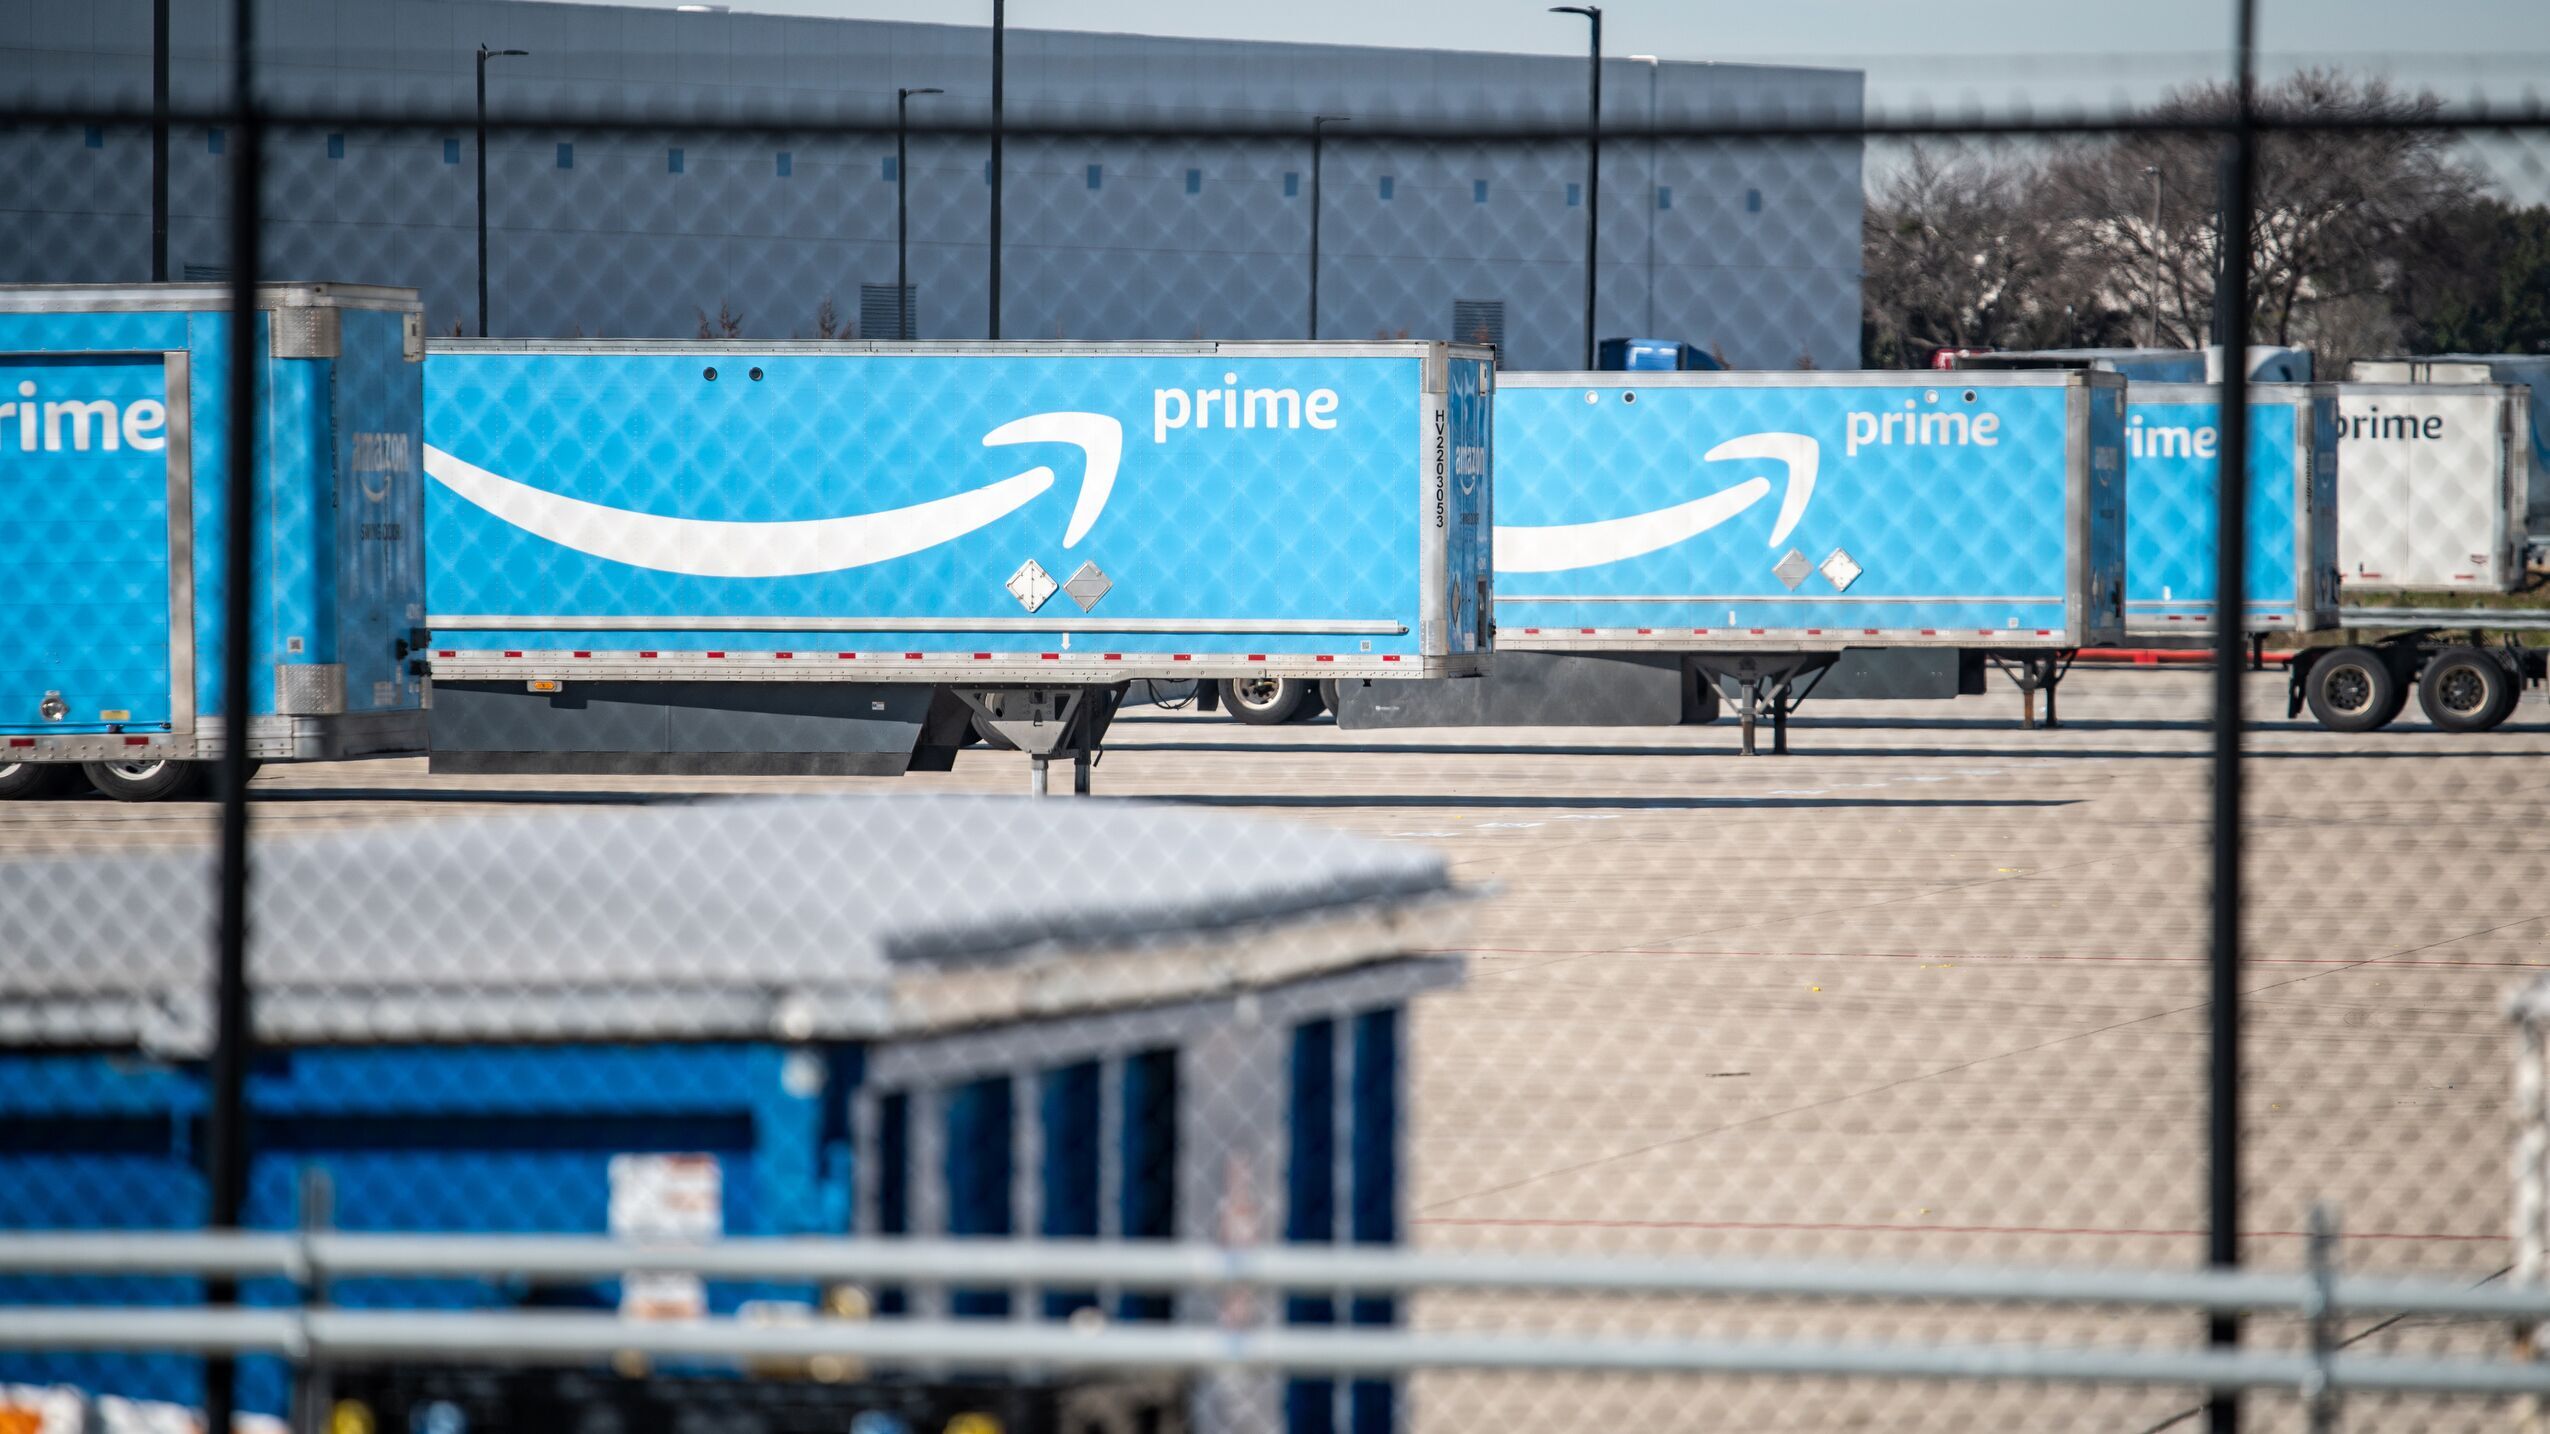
{"x": 1590, "y": 12}
{"x": 907, "y": 94}
{"x": 1317, "y": 120}
{"x": 487, "y": 54}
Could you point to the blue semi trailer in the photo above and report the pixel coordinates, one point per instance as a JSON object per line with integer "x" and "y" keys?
{"x": 114, "y": 465}
{"x": 1747, "y": 530}
{"x": 2173, "y": 468}
{"x": 784, "y": 558}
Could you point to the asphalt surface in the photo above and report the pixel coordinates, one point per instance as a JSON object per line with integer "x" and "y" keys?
{"x": 1931, "y": 987}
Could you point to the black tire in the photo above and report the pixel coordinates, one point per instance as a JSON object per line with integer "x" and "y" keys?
{"x": 1264, "y": 701}
{"x": 2465, "y": 689}
{"x": 37, "y": 781}
{"x": 2354, "y": 690}
{"x": 1314, "y": 700}
{"x": 153, "y": 781}
{"x": 1328, "y": 693}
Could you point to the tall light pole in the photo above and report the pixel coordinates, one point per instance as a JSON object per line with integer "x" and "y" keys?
{"x": 1316, "y": 122}
{"x": 902, "y": 167}
{"x": 1000, "y": 37}
{"x": 1593, "y": 158}
{"x": 2153, "y": 341}
{"x": 1653, "y": 64}
{"x": 159, "y": 141}
{"x": 484, "y": 55}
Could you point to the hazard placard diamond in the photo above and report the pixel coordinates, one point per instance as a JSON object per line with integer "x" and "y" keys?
{"x": 1031, "y": 585}
{"x": 1840, "y": 569}
{"x": 1792, "y": 569}
{"x": 1088, "y": 585}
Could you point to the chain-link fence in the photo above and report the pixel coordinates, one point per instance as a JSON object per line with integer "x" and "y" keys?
{"x": 601, "y": 493}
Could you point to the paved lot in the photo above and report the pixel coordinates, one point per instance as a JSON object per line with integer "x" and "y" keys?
{"x": 1929, "y": 987}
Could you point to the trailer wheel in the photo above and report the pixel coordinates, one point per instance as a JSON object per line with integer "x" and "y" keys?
{"x": 2465, "y": 690}
{"x": 35, "y": 781}
{"x": 1314, "y": 701}
{"x": 153, "y": 781}
{"x": 1265, "y": 701}
{"x": 1328, "y": 693}
{"x": 990, "y": 736}
{"x": 2354, "y": 690}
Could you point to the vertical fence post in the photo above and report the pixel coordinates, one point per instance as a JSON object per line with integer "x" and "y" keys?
{"x": 226, "y": 1134}
{"x": 2532, "y": 1149}
{"x": 2231, "y": 528}
{"x": 313, "y": 1386}
{"x": 2321, "y": 1308}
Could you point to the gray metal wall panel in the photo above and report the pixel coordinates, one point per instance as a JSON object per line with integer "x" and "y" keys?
{"x": 618, "y": 245}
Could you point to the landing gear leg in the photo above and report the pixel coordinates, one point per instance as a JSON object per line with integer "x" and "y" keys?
{"x": 1049, "y": 722}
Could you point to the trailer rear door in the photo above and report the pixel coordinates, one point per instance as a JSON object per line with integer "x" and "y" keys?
{"x": 97, "y": 546}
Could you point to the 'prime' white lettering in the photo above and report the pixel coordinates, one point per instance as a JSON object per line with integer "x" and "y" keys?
{"x": 1914, "y": 428}
{"x": 2373, "y": 423}
{"x": 1250, "y": 408}
{"x": 50, "y": 425}
{"x": 2160, "y": 441}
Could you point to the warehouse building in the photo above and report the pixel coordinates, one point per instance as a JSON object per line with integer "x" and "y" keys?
{"x": 1749, "y": 248}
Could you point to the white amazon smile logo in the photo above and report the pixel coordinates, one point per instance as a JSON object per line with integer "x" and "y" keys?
{"x": 717, "y": 548}
{"x": 1558, "y": 547}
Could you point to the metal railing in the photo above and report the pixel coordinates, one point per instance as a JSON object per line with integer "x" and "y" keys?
{"x": 2318, "y": 1297}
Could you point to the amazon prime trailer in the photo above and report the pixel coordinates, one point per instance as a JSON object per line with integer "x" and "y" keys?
{"x": 1749, "y": 531}
{"x": 2173, "y": 471}
{"x": 115, "y": 473}
{"x": 609, "y": 1028}
{"x": 818, "y": 557}
{"x": 2434, "y": 480}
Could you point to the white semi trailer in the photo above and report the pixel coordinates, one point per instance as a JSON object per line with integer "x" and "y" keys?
{"x": 2435, "y": 472}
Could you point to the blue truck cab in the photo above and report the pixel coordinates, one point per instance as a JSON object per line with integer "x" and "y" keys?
{"x": 1669, "y": 355}
{"x": 114, "y": 461}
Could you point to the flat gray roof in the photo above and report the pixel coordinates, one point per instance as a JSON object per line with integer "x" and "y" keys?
{"x": 821, "y": 918}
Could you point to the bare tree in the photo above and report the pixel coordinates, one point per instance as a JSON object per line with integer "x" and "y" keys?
{"x": 2334, "y": 210}
{"x": 727, "y": 325}
{"x": 828, "y": 320}
{"x": 1958, "y": 252}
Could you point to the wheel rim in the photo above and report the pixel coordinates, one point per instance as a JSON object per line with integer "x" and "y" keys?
{"x": 2463, "y": 690}
{"x": 10, "y": 769}
{"x": 1257, "y": 691}
{"x": 2349, "y": 689}
{"x": 136, "y": 771}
